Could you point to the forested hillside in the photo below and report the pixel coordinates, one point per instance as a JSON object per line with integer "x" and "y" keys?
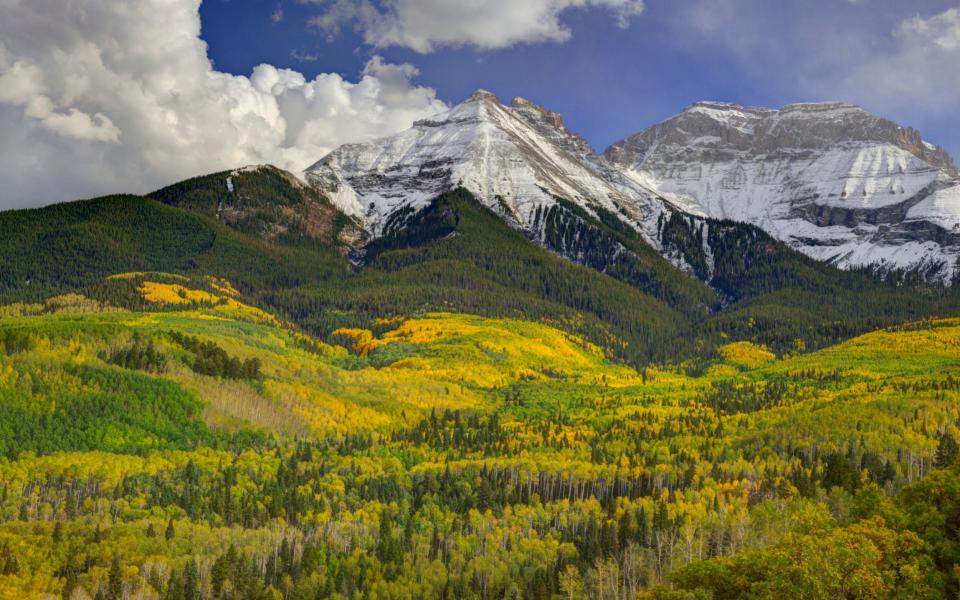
{"x": 288, "y": 250}
{"x": 200, "y": 447}
{"x": 225, "y": 391}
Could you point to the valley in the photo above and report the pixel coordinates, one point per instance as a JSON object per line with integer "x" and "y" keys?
{"x": 455, "y": 455}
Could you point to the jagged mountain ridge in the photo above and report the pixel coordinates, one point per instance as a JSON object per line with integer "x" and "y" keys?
{"x": 831, "y": 180}
{"x": 516, "y": 159}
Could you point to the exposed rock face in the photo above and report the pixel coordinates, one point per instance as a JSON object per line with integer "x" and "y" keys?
{"x": 516, "y": 159}
{"x": 829, "y": 179}
{"x": 264, "y": 201}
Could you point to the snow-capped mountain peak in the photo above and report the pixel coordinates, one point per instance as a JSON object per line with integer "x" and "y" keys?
{"x": 515, "y": 159}
{"x": 830, "y": 179}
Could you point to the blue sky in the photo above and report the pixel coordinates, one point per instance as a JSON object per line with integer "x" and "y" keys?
{"x": 609, "y": 81}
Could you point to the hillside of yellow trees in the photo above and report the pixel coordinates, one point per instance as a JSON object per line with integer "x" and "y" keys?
{"x": 185, "y": 444}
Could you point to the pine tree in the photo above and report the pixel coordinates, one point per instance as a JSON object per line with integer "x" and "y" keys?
{"x": 174, "y": 587}
{"x": 115, "y": 580}
{"x": 220, "y": 572}
{"x": 69, "y": 585}
{"x": 191, "y": 581}
{"x": 947, "y": 451}
{"x": 8, "y": 562}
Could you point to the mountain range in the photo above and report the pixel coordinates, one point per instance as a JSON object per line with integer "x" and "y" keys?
{"x": 720, "y": 222}
{"x": 830, "y": 180}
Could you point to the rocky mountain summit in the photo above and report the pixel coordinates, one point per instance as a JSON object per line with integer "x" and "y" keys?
{"x": 517, "y": 159}
{"x": 829, "y": 179}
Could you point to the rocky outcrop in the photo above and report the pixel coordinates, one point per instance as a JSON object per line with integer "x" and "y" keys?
{"x": 517, "y": 160}
{"x": 829, "y": 179}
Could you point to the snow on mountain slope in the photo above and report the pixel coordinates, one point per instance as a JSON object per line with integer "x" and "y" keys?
{"x": 515, "y": 159}
{"x": 942, "y": 208}
{"x": 830, "y": 180}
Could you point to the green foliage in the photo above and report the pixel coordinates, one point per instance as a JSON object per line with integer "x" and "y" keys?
{"x": 106, "y": 409}
{"x": 947, "y": 451}
{"x": 211, "y": 359}
{"x": 138, "y": 355}
{"x": 932, "y": 509}
{"x": 115, "y": 580}
{"x": 610, "y": 246}
{"x": 68, "y": 246}
{"x": 73, "y": 246}
{"x": 475, "y": 263}
{"x": 15, "y": 340}
{"x": 865, "y": 560}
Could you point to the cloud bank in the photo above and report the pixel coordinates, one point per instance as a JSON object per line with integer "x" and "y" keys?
{"x": 422, "y": 25}
{"x": 121, "y": 96}
{"x": 922, "y": 68}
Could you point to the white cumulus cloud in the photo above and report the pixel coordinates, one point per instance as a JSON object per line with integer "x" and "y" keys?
{"x": 917, "y": 72}
{"x": 486, "y": 24}
{"x": 99, "y": 97}
{"x": 941, "y": 30}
